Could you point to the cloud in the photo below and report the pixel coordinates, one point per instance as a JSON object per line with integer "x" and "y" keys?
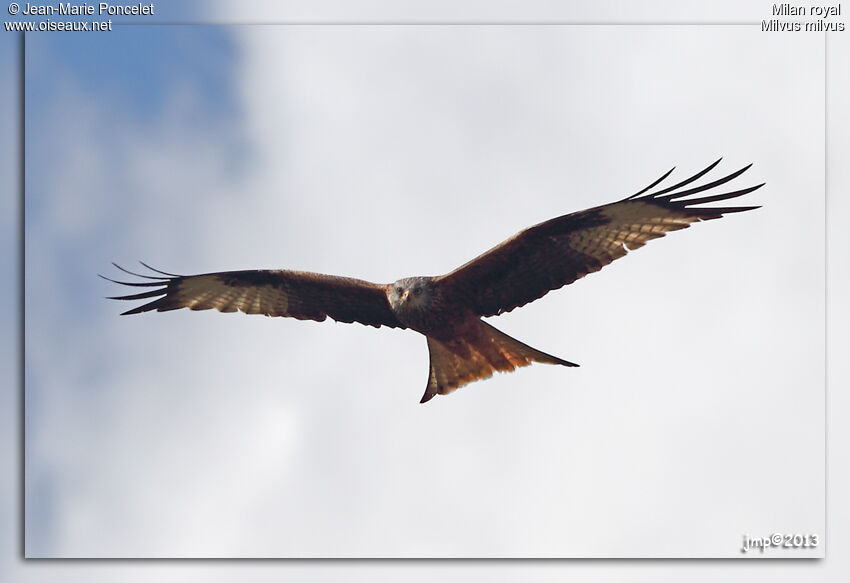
{"x": 382, "y": 152}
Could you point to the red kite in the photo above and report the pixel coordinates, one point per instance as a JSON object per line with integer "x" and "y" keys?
{"x": 448, "y": 309}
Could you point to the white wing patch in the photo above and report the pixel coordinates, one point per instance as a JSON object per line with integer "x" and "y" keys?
{"x": 629, "y": 228}
{"x": 209, "y": 292}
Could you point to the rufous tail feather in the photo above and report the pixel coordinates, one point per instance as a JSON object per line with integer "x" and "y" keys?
{"x": 477, "y": 355}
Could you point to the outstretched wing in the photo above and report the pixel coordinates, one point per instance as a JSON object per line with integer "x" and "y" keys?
{"x": 296, "y": 294}
{"x": 557, "y": 252}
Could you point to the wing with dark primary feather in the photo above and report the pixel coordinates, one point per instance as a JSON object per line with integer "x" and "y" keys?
{"x": 296, "y": 294}
{"x": 559, "y": 251}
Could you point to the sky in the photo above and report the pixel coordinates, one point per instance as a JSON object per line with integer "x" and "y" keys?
{"x": 382, "y": 152}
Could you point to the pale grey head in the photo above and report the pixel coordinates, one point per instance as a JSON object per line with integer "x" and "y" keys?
{"x": 411, "y": 293}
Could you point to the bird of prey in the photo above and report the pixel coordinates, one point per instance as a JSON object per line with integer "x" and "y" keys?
{"x": 447, "y": 309}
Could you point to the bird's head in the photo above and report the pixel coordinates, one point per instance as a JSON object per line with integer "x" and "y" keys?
{"x": 410, "y": 293}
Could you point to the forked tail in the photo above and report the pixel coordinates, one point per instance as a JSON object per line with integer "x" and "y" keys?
{"x": 477, "y": 355}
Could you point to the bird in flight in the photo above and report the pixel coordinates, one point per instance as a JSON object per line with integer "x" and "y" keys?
{"x": 447, "y": 309}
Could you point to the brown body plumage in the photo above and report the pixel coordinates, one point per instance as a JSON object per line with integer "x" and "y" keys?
{"x": 448, "y": 309}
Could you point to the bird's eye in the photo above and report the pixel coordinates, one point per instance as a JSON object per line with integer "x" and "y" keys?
{"x": 398, "y": 290}
{"x": 417, "y": 291}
